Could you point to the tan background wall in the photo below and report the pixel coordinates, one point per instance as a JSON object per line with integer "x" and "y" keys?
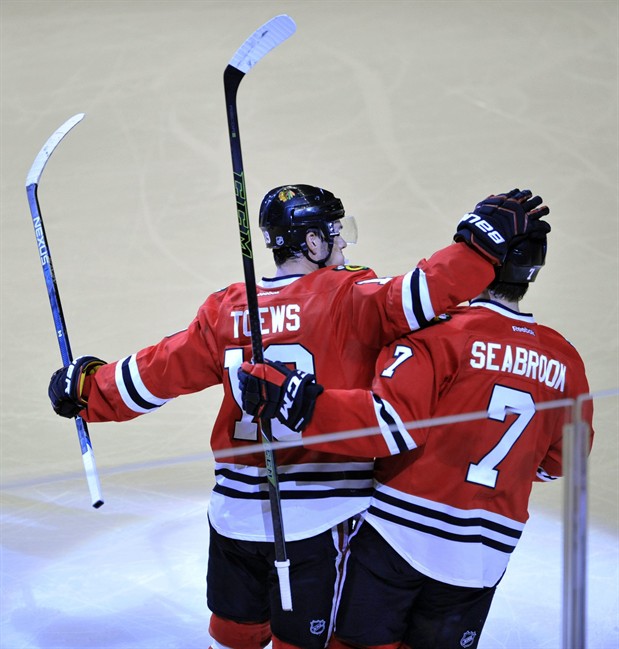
{"x": 409, "y": 111}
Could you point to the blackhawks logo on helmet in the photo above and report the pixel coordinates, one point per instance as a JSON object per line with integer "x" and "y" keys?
{"x": 285, "y": 195}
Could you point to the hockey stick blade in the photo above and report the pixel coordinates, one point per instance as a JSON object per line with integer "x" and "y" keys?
{"x": 32, "y": 182}
{"x": 262, "y": 41}
{"x": 34, "y": 175}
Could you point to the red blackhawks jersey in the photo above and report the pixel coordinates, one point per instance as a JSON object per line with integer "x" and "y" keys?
{"x": 333, "y": 323}
{"x": 452, "y": 498}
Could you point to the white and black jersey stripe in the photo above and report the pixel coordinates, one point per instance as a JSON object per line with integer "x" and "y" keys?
{"x": 457, "y": 546}
{"x": 300, "y": 482}
{"x": 416, "y": 300}
{"x": 392, "y": 428}
{"x": 134, "y": 393}
{"x": 544, "y": 476}
{"x": 313, "y": 496}
{"x": 448, "y": 523}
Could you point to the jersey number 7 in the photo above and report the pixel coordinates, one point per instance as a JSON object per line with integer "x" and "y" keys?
{"x": 504, "y": 401}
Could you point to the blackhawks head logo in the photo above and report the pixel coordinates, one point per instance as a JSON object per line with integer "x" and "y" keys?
{"x": 285, "y": 195}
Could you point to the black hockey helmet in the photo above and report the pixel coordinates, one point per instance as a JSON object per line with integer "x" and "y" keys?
{"x": 289, "y": 211}
{"x": 524, "y": 261}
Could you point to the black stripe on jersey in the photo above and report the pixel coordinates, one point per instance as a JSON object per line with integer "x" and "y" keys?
{"x": 339, "y": 492}
{"x": 435, "y": 531}
{"x": 315, "y": 477}
{"x": 416, "y": 300}
{"x": 297, "y": 494}
{"x": 319, "y": 477}
{"x": 131, "y": 389}
{"x": 448, "y": 518}
{"x": 393, "y": 427}
{"x": 241, "y": 477}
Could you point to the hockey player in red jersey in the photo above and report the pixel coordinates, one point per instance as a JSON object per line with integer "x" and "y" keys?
{"x": 327, "y": 319}
{"x": 451, "y": 500}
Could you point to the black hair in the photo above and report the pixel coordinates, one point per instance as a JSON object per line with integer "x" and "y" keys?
{"x": 512, "y": 291}
{"x": 282, "y": 255}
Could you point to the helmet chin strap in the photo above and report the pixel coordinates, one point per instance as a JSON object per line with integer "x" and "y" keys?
{"x": 321, "y": 263}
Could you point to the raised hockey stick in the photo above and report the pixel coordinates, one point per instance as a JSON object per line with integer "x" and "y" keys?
{"x": 260, "y": 43}
{"x": 32, "y": 184}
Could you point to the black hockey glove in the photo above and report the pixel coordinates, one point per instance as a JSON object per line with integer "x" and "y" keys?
{"x": 271, "y": 389}
{"x": 67, "y": 384}
{"x": 500, "y": 222}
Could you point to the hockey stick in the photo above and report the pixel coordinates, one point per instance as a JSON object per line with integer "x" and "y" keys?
{"x": 32, "y": 183}
{"x": 260, "y": 43}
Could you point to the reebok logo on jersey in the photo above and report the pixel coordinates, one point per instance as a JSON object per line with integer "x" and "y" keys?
{"x": 523, "y": 330}
{"x": 484, "y": 226}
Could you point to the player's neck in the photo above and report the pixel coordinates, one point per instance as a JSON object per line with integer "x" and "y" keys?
{"x": 510, "y": 304}
{"x": 298, "y": 266}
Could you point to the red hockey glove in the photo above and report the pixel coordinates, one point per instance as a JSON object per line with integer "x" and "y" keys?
{"x": 67, "y": 384}
{"x": 271, "y": 389}
{"x": 499, "y": 222}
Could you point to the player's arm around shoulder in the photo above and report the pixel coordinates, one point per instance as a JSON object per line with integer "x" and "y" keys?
{"x": 386, "y": 308}
{"x": 375, "y": 423}
{"x": 344, "y": 422}
{"x": 455, "y": 274}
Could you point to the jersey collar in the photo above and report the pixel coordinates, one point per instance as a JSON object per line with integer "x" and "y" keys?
{"x": 503, "y": 310}
{"x": 277, "y": 282}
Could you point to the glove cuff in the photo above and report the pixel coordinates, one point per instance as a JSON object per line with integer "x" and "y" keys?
{"x": 83, "y": 386}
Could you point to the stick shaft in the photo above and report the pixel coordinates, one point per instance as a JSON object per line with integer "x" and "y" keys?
{"x": 62, "y": 336}
{"x": 261, "y": 42}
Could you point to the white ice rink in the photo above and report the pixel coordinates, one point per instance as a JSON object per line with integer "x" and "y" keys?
{"x": 410, "y": 112}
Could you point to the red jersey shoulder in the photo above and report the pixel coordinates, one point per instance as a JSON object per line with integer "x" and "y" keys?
{"x": 444, "y": 325}
{"x": 486, "y": 334}
{"x": 220, "y": 302}
{"x": 552, "y": 339}
{"x": 331, "y": 279}
{"x": 233, "y": 293}
{"x": 470, "y": 320}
